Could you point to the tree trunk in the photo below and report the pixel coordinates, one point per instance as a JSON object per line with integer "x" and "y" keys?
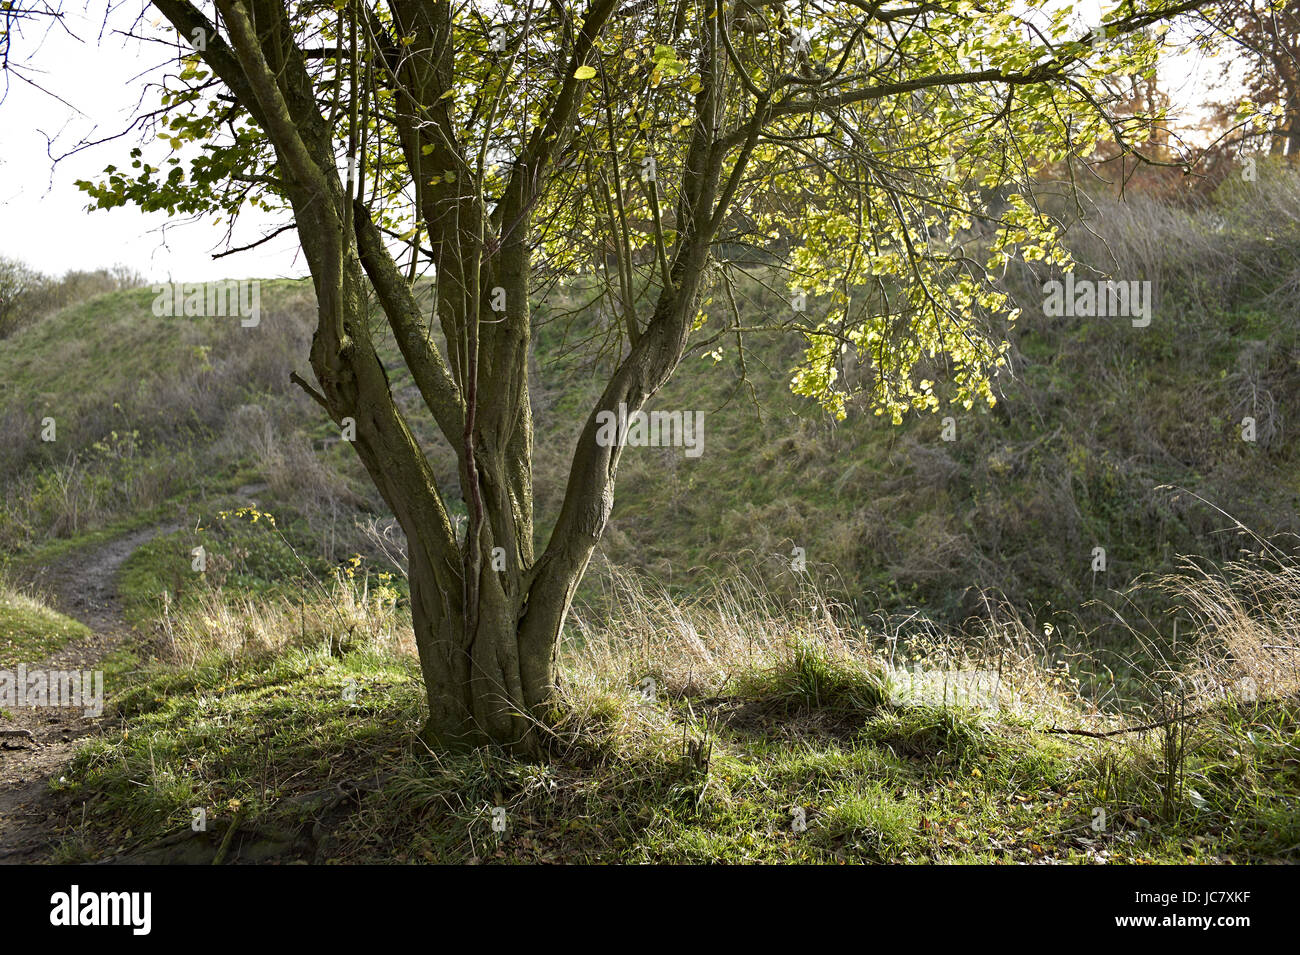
{"x": 483, "y": 685}
{"x": 486, "y": 611}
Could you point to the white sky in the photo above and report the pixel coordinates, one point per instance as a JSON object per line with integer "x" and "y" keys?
{"x": 43, "y": 217}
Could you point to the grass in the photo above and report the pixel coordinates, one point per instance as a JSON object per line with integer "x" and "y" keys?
{"x": 749, "y": 719}
{"x": 55, "y": 550}
{"x": 244, "y": 551}
{"x": 1095, "y": 431}
{"x": 109, "y": 410}
{"x": 771, "y": 737}
{"x": 30, "y": 631}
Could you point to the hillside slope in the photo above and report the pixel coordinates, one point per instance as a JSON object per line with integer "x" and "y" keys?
{"x": 713, "y": 704}
{"x": 1097, "y": 425}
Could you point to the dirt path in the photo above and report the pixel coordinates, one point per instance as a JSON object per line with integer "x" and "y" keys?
{"x": 39, "y": 742}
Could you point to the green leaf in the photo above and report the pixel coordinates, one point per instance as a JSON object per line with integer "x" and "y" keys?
{"x": 584, "y": 72}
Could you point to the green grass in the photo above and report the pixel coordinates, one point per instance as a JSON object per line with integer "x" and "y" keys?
{"x": 312, "y": 754}
{"x": 146, "y": 410}
{"x": 30, "y": 631}
{"x": 58, "y": 549}
{"x": 1093, "y": 423}
{"x": 893, "y": 520}
{"x": 245, "y": 552}
{"x": 90, "y": 348}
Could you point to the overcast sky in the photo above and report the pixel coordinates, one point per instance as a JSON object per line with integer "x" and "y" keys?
{"x": 101, "y": 77}
{"x": 43, "y": 217}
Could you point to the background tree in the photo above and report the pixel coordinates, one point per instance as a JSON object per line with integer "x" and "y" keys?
{"x": 875, "y": 156}
{"x": 1266, "y": 37}
{"x": 19, "y": 286}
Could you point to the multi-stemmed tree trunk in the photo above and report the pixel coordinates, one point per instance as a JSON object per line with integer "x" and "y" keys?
{"x": 827, "y": 137}
{"x": 487, "y": 612}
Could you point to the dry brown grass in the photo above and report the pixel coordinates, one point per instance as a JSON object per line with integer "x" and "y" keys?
{"x": 1245, "y": 621}
{"x": 693, "y": 645}
{"x": 732, "y": 632}
{"x": 639, "y": 643}
{"x": 342, "y": 615}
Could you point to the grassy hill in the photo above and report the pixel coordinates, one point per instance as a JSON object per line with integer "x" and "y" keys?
{"x": 772, "y": 691}
{"x": 1098, "y": 427}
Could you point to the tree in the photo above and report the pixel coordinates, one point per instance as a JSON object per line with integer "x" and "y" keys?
{"x": 877, "y": 154}
{"x": 1266, "y": 35}
{"x": 19, "y": 286}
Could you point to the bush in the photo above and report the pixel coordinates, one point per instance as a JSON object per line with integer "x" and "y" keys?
{"x": 26, "y": 294}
